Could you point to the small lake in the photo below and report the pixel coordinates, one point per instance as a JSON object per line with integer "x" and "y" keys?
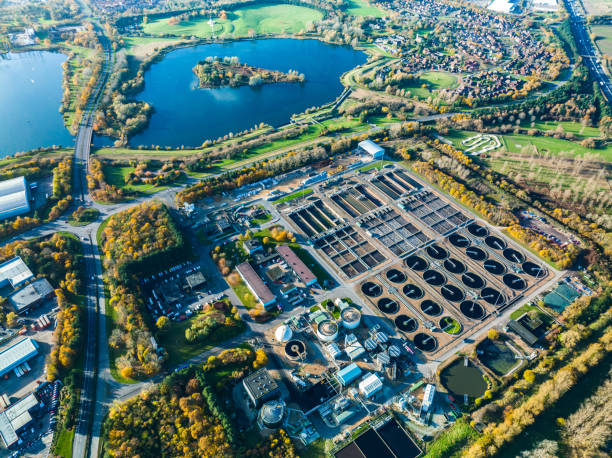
{"x": 186, "y": 115}
{"x": 30, "y": 98}
{"x": 460, "y": 379}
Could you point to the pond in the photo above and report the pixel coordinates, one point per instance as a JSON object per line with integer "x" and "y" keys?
{"x": 497, "y": 356}
{"x": 186, "y": 115}
{"x": 30, "y": 98}
{"x": 460, "y": 379}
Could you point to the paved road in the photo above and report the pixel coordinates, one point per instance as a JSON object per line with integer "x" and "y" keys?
{"x": 586, "y": 48}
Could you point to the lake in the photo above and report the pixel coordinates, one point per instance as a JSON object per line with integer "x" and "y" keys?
{"x": 186, "y": 115}
{"x": 30, "y": 98}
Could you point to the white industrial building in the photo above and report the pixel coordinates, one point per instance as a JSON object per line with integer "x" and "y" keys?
{"x": 16, "y": 418}
{"x": 372, "y": 149}
{"x": 504, "y": 6}
{"x": 370, "y": 385}
{"x": 14, "y": 272}
{"x": 17, "y": 354}
{"x": 545, "y": 5}
{"x": 31, "y": 295}
{"x": 14, "y": 197}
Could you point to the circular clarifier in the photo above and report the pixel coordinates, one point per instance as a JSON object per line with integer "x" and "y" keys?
{"x": 387, "y": 306}
{"x": 434, "y": 278}
{"x": 425, "y": 342}
{"x": 477, "y": 254}
{"x": 431, "y": 308}
{"x": 478, "y": 230}
{"x": 472, "y": 280}
{"x": 454, "y": 266}
{"x": 495, "y": 242}
{"x": 494, "y": 267}
{"x": 514, "y": 281}
{"x": 472, "y": 310}
{"x": 371, "y": 289}
{"x": 531, "y": 268}
{"x": 458, "y": 240}
{"x": 416, "y": 263}
{"x": 449, "y": 325}
{"x": 493, "y": 296}
{"x": 295, "y": 349}
{"x": 513, "y": 255}
{"x": 413, "y": 291}
{"x": 396, "y": 276}
{"x": 406, "y": 323}
{"x": 452, "y": 293}
{"x": 437, "y": 252}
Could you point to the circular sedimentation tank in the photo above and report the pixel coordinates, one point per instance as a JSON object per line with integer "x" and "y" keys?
{"x": 412, "y": 291}
{"x": 434, "y": 278}
{"x": 514, "y": 281}
{"x": 454, "y": 266}
{"x": 431, "y": 308}
{"x": 452, "y": 293}
{"x": 396, "y": 276}
{"x": 513, "y": 255}
{"x": 406, "y": 323}
{"x": 416, "y": 263}
{"x": 437, "y": 252}
{"x": 371, "y": 289}
{"x": 531, "y": 268}
{"x": 472, "y": 280}
{"x": 493, "y": 296}
{"x": 449, "y": 325}
{"x": 351, "y": 317}
{"x": 478, "y": 230}
{"x": 387, "y": 306}
{"x": 327, "y": 330}
{"x": 295, "y": 349}
{"x": 494, "y": 267}
{"x": 458, "y": 240}
{"x": 495, "y": 242}
{"x": 472, "y": 310}
{"x": 425, "y": 342}
{"x": 477, "y": 254}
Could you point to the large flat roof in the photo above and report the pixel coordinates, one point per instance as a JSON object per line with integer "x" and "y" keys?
{"x": 15, "y": 272}
{"x": 17, "y": 354}
{"x": 255, "y": 283}
{"x": 296, "y": 264}
{"x": 30, "y": 294}
{"x": 260, "y": 383}
{"x": 16, "y": 417}
{"x": 13, "y": 197}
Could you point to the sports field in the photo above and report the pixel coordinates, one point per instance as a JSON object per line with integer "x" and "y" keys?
{"x": 363, "y": 8}
{"x": 261, "y": 19}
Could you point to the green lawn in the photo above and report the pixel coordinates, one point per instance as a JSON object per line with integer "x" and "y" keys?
{"x": 245, "y": 295}
{"x": 433, "y": 81}
{"x": 261, "y": 19}
{"x": 63, "y": 447}
{"x": 295, "y": 195}
{"x": 603, "y": 38}
{"x": 115, "y": 176}
{"x": 363, "y": 8}
{"x": 451, "y": 441}
{"x": 516, "y": 143}
{"x": 568, "y": 126}
{"x": 521, "y": 311}
{"x": 376, "y": 165}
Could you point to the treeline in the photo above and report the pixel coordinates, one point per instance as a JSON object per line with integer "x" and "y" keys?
{"x": 36, "y": 167}
{"x": 562, "y": 257}
{"x": 135, "y": 243}
{"x": 585, "y": 342}
{"x": 62, "y": 188}
{"x": 216, "y": 322}
{"x": 99, "y": 189}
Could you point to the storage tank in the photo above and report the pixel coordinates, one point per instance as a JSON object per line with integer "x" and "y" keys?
{"x": 283, "y": 333}
{"x": 351, "y": 317}
{"x": 271, "y": 414}
{"x": 327, "y": 330}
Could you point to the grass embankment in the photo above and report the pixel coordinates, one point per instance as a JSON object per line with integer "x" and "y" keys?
{"x": 63, "y": 446}
{"x": 451, "y": 441}
{"x": 299, "y": 194}
{"x": 261, "y": 19}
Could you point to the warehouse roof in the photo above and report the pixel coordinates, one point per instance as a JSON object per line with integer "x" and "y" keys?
{"x": 17, "y": 354}
{"x": 31, "y": 294}
{"x": 347, "y": 374}
{"x": 255, "y": 283}
{"x": 371, "y": 148}
{"x": 260, "y": 383}
{"x": 296, "y": 264}
{"x": 195, "y": 279}
{"x": 14, "y": 272}
{"x": 13, "y": 197}
{"x": 16, "y": 417}
{"x": 370, "y": 384}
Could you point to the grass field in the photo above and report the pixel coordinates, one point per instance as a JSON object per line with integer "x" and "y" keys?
{"x": 295, "y": 195}
{"x": 451, "y": 441}
{"x": 363, "y": 8}
{"x": 575, "y": 128}
{"x": 521, "y": 310}
{"x": 141, "y": 47}
{"x": 516, "y": 143}
{"x": 63, "y": 447}
{"x": 598, "y": 7}
{"x": 603, "y": 37}
{"x": 115, "y": 176}
{"x": 261, "y": 19}
{"x": 434, "y": 81}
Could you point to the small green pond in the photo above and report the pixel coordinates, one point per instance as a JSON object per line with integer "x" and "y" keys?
{"x": 460, "y": 379}
{"x": 497, "y": 356}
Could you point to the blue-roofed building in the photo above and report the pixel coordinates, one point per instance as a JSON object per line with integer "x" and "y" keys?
{"x": 347, "y": 374}
{"x": 14, "y": 197}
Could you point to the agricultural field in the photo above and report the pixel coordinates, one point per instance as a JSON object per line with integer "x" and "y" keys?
{"x": 603, "y": 37}
{"x": 143, "y": 47}
{"x": 264, "y": 19}
{"x": 597, "y": 7}
{"x": 364, "y": 8}
{"x": 519, "y": 143}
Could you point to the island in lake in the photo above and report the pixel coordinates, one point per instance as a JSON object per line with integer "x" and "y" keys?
{"x": 217, "y": 72}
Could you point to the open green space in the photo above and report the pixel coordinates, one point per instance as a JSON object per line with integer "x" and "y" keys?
{"x": 603, "y": 37}
{"x": 115, "y": 176}
{"x": 575, "y": 128}
{"x": 245, "y": 295}
{"x": 63, "y": 447}
{"x": 364, "y": 8}
{"x": 295, "y": 195}
{"x": 451, "y": 441}
{"x": 432, "y": 81}
{"x": 528, "y": 307}
{"x": 515, "y": 143}
{"x": 259, "y": 19}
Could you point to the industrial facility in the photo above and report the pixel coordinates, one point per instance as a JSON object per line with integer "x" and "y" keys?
{"x": 14, "y": 197}
{"x": 256, "y": 285}
{"x": 17, "y": 354}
